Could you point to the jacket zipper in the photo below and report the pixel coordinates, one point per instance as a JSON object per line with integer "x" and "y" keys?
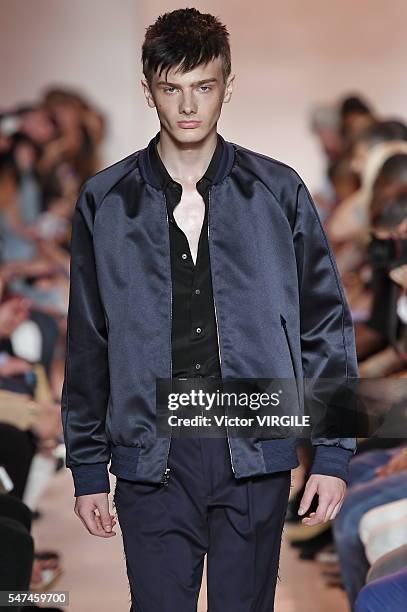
{"x": 166, "y": 475}
{"x": 217, "y": 333}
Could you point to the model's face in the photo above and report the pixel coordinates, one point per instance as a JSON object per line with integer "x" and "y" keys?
{"x": 189, "y": 105}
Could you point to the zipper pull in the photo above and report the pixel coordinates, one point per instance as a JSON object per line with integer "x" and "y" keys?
{"x": 166, "y": 476}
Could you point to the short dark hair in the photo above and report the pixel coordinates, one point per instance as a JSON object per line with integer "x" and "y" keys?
{"x": 389, "y": 187}
{"x": 392, "y": 211}
{"x": 354, "y": 104}
{"x": 185, "y": 38}
{"x": 382, "y": 131}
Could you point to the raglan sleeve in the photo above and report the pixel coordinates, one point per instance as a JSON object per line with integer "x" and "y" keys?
{"x": 85, "y": 390}
{"x": 327, "y": 333}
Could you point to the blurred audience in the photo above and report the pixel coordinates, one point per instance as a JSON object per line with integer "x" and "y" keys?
{"x": 47, "y": 150}
{"x": 363, "y": 206}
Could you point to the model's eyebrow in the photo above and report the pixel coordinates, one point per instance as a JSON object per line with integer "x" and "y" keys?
{"x": 203, "y": 82}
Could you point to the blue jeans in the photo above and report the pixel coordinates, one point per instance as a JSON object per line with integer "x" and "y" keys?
{"x": 387, "y": 593}
{"x": 366, "y": 491}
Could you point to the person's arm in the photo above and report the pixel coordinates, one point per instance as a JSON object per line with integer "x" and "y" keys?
{"x": 327, "y": 346}
{"x": 86, "y": 388}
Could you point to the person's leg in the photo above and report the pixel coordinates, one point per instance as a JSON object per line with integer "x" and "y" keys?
{"x": 16, "y": 557}
{"x": 17, "y": 449}
{"x": 14, "y": 508}
{"x": 389, "y": 563}
{"x": 165, "y": 534}
{"x": 246, "y": 519}
{"x": 388, "y": 593}
{"x": 358, "y": 501}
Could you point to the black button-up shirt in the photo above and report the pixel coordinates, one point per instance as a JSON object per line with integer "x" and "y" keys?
{"x": 194, "y": 336}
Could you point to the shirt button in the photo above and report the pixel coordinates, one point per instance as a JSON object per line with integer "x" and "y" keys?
{"x": 198, "y": 330}
{"x": 184, "y": 255}
{"x": 197, "y": 365}
{"x": 197, "y": 291}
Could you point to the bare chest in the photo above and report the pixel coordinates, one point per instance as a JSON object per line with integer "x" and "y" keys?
{"x": 189, "y": 214}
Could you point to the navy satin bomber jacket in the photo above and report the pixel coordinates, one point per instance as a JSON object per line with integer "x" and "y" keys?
{"x": 279, "y": 303}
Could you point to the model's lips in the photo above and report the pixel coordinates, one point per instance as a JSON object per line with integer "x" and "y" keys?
{"x": 189, "y": 125}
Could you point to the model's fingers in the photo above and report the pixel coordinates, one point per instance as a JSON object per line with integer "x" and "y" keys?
{"x": 331, "y": 507}
{"x": 89, "y": 524}
{"x": 89, "y": 518}
{"x": 310, "y": 490}
{"x": 106, "y": 521}
{"x": 101, "y": 530}
{"x": 336, "y": 509}
{"x": 98, "y": 523}
{"x": 93, "y": 523}
{"x": 319, "y": 517}
{"x": 309, "y": 520}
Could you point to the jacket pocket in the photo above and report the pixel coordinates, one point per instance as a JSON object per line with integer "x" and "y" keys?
{"x": 287, "y": 339}
{"x": 290, "y": 350}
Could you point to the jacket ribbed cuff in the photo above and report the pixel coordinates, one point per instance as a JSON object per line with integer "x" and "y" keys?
{"x": 90, "y": 478}
{"x": 332, "y": 461}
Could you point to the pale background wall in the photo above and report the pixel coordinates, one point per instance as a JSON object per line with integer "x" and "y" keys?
{"x": 287, "y": 55}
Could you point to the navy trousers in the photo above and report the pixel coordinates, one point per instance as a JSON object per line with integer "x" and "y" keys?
{"x": 167, "y": 529}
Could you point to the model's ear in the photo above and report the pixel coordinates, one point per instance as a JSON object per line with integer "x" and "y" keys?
{"x": 228, "y": 89}
{"x": 147, "y": 93}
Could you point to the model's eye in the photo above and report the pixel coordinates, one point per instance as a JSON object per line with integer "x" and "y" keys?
{"x": 169, "y": 90}
{"x": 204, "y": 88}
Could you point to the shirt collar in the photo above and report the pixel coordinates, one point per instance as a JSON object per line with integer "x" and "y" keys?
{"x": 162, "y": 175}
{"x": 223, "y": 169}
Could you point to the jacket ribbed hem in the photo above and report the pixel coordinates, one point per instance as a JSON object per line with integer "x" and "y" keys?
{"x": 332, "y": 461}
{"x": 90, "y": 478}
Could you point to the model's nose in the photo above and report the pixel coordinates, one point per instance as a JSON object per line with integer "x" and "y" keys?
{"x": 188, "y": 104}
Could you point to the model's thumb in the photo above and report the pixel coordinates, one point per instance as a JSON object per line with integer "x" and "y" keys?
{"x": 105, "y": 517}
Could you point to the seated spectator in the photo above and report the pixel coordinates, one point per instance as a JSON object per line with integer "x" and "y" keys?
{"x": 387, "y": 251}
{"x": 389, "y": 226}
{"x": 350, "y": 218}
{"x": 377, "y": 477}
{"x": 356, "y": 116}
{"x": 384, "y": 529}
{"x": 47, "y": 150}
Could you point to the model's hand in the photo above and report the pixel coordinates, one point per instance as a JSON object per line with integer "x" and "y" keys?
{"x": 93, "y": 510}
{"x": 330, "y": 490}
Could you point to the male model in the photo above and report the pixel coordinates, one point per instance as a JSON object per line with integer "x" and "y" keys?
{"x": 195, "y": 257}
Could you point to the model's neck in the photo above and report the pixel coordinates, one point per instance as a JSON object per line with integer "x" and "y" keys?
{"x": 186, "y": 162}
